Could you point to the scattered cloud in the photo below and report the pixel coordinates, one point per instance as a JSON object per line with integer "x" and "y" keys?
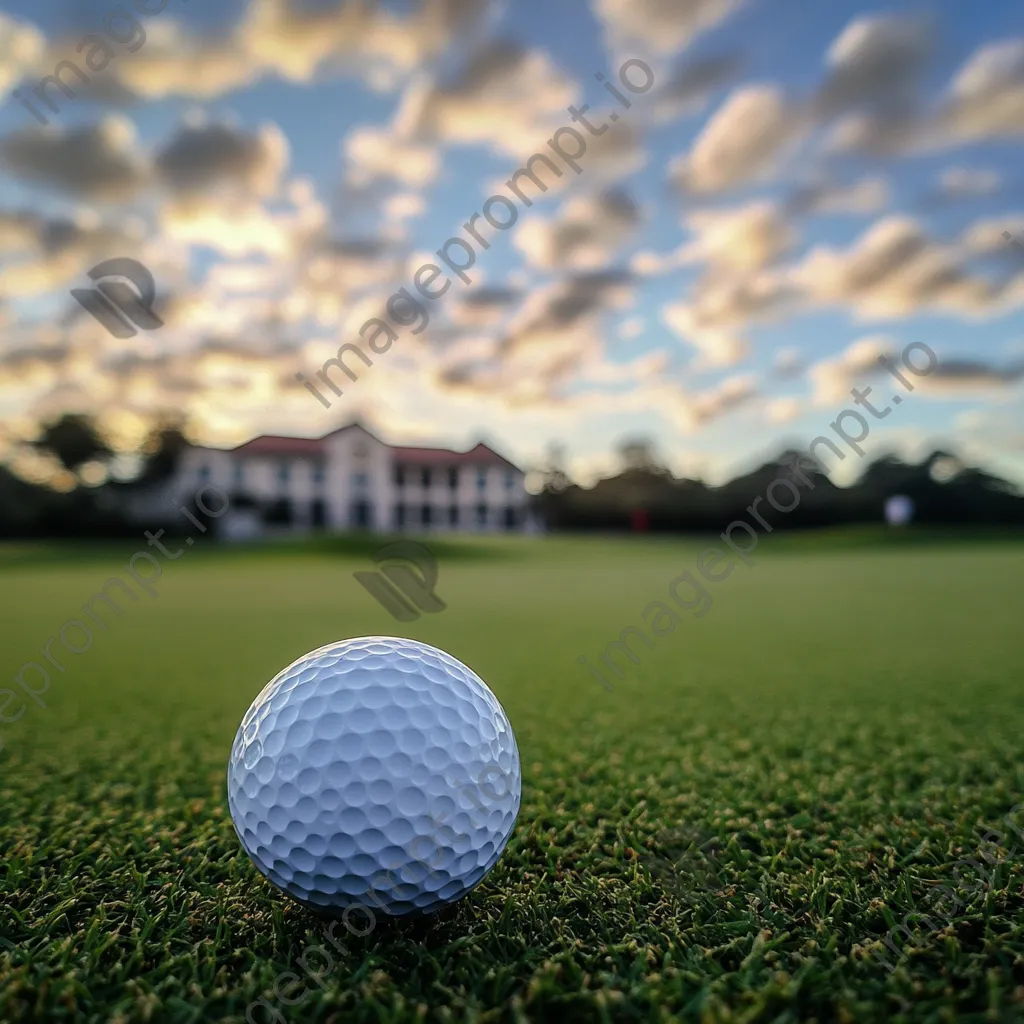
{"x": 859, "y": 198}
{"x": 659, "y": 26}
{"x": 894, "y": 270}
{"x": 692, "y": 83}
{"x": 507, "y": 97}
{"x": 288, "y": 268}
{"x": 98, "y": 162}
{"x": 585, "y": 234}
{"x": 203, "y": 156}
{"x": 875, "y": 60}
{"x": 986, "y": 98}
{"x": 22, "y": 46}
{"x": 744, "y": 141}
{"x": 745, "y": 238}
{"x": 967, "y": 183}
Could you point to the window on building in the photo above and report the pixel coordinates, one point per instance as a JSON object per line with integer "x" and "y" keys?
{"x": 400, "y": 514}
{"x": 453, "y": 478}
{"x": 427, "y": 514}
{"x": 426, "y": 477}
{"x": 279, "y": 513}
{"x": 453, "y": 515}
{"x": 510, "y": 480}
{"x": 284, "y": 472}
{"x": 239, "y": 474}
{"x": 360, "y": 481}
{"x": 481, "y": 514}
{"x": 319, "y": 475}
{"x": 481, "y": 479}
{"x": 511, "y": 519}
{"x": 399, "y": 476}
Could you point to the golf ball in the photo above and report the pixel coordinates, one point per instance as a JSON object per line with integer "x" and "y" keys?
{"x": 377, "y": 772}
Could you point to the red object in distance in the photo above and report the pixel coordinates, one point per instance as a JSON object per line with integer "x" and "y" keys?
{"x": 639, "y": 521}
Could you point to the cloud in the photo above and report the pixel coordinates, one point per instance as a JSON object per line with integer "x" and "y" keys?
{"x": 878, "y": 59}
{"x": 967, "y": 183}
{"x": 484, "y": 306}
{"x": 98, "y": 162}
{"x": 960, "y": 376}
{"x": 403, "y": 206}
{"x": 298, "y": 41}
{"x": 659, "y": 26}
{"x": 632, "y": 327}
{"x": 286, "y": 38}
{"x": 584, "y": 235}
{"x": 886, "y": 134}
{"x": 787, "y": 364}
{"x": 894, "y": 270}
{"x": 986, "y": 98}
{"x": 745, "y": 238}
{"x": 506, "y": 97}
{"x": 614, "y": 153}
{"x": 988, "y": 237}
{"x": 55, "y": 250}
{"x": 692, "y": 83}
{"x": 744, "y": 141}
{"x": 732, "y": 393}
{"x": 378, "y": 154}
{"x": 20, "y": 231}
{"x": 868, "y": 195}
{"x": 548, "y": 341}
{"x": 203, "y": 156}
{"x": 567, "y": 304}
{"x": 175, "y": 63}
{"x": 721, "y": 306}
{"x": 239, "y": 226}
{"x": 783, "y": 410}
{"x": 831, "y": 379}
{"x": 333, "y": 272}
{"x": 719, "y": 345}
{"x": 22, "y": 46}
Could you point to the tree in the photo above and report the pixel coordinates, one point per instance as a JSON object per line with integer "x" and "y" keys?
{"x": 74, "y": 440}
{"x": 161, "y": 451}
{"x": 639, "y": 453}
{"x": 555, "y": 476}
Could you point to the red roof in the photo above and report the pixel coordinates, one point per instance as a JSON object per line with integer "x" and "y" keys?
{"x": 480, "y": 455}
{"x": 270, "y": 444}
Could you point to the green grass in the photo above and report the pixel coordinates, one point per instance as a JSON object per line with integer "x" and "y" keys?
{"x": 724, "y": 836}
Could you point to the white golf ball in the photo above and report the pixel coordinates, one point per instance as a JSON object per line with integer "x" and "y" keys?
{"x": 375, "y": 772}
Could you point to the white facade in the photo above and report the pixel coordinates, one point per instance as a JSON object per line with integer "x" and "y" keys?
{"x": 347, "y": 480}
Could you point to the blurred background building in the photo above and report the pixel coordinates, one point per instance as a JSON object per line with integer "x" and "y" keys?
{"x": 348, "y": 479}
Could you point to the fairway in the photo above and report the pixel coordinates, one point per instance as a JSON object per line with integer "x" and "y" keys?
{"x": 728, "y": 833}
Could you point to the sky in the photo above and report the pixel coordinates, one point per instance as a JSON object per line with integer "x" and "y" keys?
{"x": 799, "y": 189}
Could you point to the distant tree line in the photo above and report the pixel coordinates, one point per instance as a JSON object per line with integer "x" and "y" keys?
{"x": 646, "y": 495}
{"x": 29, "y": 510}
{"x": 643, "y": 495}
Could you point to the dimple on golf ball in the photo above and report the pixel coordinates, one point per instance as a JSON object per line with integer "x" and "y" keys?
{"x": 377, "y": 772}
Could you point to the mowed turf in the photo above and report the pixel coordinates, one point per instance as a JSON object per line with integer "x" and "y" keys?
{"x": 839, "y": 730}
